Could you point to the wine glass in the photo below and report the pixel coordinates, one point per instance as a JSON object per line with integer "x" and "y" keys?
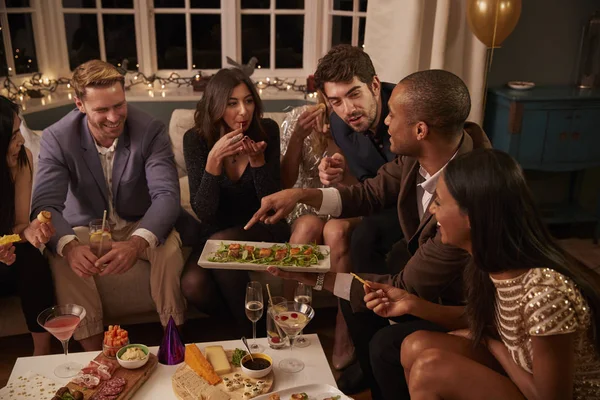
{"x": 254, "y": 310}
{"x": 302, "y": 295}
{"x": 291, "y": 318}
{"x": 61, "y": 322}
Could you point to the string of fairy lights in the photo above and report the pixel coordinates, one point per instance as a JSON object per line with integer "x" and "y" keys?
{"x": 38, "y": 86}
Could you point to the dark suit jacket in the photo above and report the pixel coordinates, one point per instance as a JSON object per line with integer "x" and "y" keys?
{"x": 71, "y": 185}
{"x": 362, "y": 156}
{"x": 434, "y": 271}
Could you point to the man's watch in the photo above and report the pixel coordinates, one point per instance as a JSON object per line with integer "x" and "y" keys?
{"x": 320, "y": 281}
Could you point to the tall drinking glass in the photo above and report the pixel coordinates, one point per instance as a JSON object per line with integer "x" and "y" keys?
{"x": 254, "y": 310}
{"x": 302, "y": 295}
{"x": 61, "y": 322}
{"x": 100, "y": 240}
{"x": 275, "y": 335}
{"x": 291, "y": 319}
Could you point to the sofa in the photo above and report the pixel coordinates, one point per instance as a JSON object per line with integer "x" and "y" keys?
{"x": 124, "y": 300}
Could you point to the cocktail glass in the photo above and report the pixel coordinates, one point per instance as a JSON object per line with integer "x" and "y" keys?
{"x": 291, "y": 318}
{"x": 100, "y": 239}
{"x": 61, "y": 321}
{"x": 302, "y": 295}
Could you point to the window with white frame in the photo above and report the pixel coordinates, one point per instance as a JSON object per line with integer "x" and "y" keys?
{"x": 273, "y": 32}
{"x": 103, "y": 29}
{"x": 187, "y": 34}
{"x": 347, "y": 21}
{"x": 18, "y": 53}
{"x": 176, "y": 35}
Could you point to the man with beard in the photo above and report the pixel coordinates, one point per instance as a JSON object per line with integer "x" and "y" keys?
{"x": 427, "y": 128}
{"x": 347, "y": 78}
{"x": 359, "y": 100}
{"x": 109, "y": 157}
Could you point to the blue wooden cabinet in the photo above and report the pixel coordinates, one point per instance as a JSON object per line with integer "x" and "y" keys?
{"x": 548, "y": 129}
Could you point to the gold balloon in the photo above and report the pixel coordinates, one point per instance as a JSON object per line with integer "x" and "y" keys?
{"x": 484, "y": 15}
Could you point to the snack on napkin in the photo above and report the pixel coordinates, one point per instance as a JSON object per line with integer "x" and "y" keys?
{"x": 44, "y": 216}
{"x": 29, "y": 386}
{"x": 7, "y": 239}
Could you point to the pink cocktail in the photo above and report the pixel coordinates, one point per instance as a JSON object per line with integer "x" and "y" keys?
{"x": 61, "y": 321}
{"x": 63, "y": 326}
{"x": 291, "y": 317}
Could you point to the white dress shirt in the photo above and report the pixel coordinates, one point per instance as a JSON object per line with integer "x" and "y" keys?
{"x": 107, "y": 160}
{"x": 332, "y": 205}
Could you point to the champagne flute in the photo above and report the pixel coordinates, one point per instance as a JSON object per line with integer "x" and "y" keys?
{"x": 61, "y": 322}
{"x": 254, "y": 310}
{"x": 302, "y": 295}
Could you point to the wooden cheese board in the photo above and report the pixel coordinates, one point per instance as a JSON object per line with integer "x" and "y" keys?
{"x": 187, "y": 385}
{"x": 135, "y": 378}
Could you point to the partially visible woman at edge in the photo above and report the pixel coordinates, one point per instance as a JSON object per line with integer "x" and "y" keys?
{"x": 532, "y": 313}
{"x": 305, "y": 140}
{"x": 23, "y": 269}
{"x": 228, "y": 179}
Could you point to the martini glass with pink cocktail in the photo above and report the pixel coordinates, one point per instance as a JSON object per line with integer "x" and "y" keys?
{"x": 291, "y": 317}
{"x": 61, "y": 321}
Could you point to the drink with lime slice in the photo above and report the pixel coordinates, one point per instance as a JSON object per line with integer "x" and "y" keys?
{"x": 100, "y": 240}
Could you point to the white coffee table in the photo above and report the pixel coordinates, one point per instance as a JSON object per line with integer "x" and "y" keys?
{"x": 159, "y": 385}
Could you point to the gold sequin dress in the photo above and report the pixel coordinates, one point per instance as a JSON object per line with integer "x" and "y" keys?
{"x": 308, "y": 171}
{"x": 543, "y": 302}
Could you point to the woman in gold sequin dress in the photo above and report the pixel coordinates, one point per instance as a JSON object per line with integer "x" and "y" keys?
{"x": 532, "y": 313}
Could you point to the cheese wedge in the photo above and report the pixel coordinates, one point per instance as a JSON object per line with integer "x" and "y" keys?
{"x": 197, "y": 362}
{"x": 218, "y": 359}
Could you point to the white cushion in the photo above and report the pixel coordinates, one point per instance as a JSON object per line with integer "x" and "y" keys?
{"x": 181, "y": 121}
{"x": 184, "y": 187}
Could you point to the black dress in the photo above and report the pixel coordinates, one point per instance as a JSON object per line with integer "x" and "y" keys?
{"x": 30, "y": 278}
{"x": 221, "y": 203}
{"x": 224, "y": 207}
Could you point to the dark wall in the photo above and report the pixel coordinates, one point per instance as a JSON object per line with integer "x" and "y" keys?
{"x": 544, "y": 46}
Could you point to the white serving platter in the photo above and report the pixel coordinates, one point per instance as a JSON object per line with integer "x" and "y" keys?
{"x": 316, "y": 391}
{"x": 213, "y": 245}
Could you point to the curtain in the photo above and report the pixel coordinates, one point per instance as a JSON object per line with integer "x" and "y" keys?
{"x": 405, "y": 36}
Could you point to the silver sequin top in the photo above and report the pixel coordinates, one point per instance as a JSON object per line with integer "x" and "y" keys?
{"x": 308, "y": 171}
{"x": 543, "y": 302}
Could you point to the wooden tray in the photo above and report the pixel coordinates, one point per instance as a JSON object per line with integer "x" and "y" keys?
{"x": 135, "y": 378}
{"x": 237, "y": 394}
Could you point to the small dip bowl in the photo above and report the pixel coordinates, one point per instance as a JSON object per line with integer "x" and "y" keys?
{"x": 133, "y": 364}
{"x": 260, "y": 367}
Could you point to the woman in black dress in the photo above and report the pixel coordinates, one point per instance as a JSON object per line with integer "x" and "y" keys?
{"x": 23, "y": 269}
{"x": 232, "y": 158}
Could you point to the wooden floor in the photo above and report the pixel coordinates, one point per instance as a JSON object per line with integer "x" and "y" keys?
{"x": 195, "y": 331}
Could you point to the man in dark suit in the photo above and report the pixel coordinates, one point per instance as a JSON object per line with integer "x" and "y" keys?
{"x": 107, "y": 156}
{"x": 427, "y": 127}
{"x": 359, "y": 100}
